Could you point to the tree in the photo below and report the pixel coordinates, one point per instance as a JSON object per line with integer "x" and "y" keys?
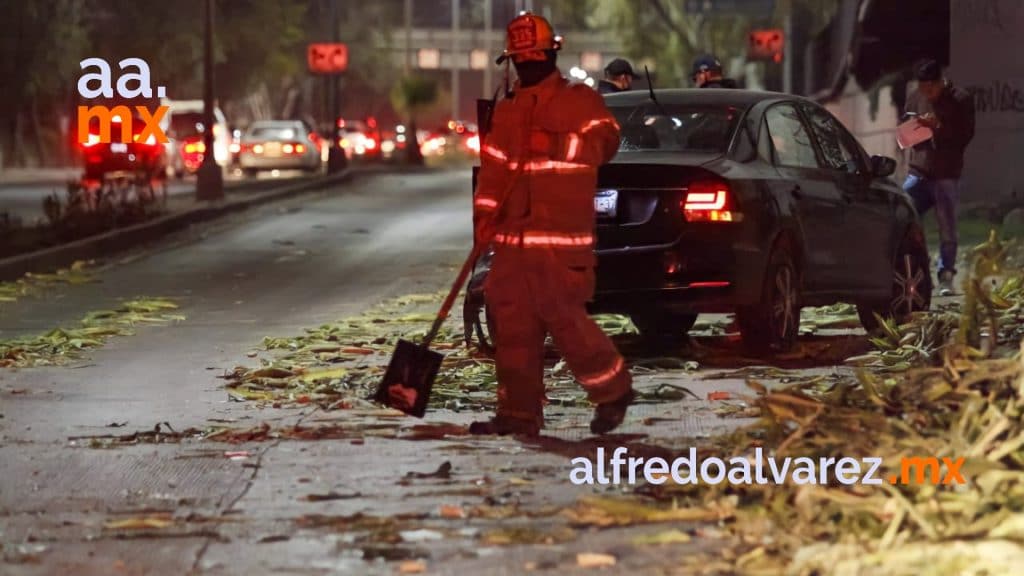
{"x": 411, "y": 96}
{"x": 662, "y": 31}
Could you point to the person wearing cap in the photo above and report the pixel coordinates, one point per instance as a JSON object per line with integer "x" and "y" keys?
{"x": 618, "y": 77}
{"x": 707, "y": 73}
{"x": 936, "y": 164}
{"x": 534, "y": 203}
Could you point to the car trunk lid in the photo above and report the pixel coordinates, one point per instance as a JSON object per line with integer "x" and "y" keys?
{"x": 638, "y": 205}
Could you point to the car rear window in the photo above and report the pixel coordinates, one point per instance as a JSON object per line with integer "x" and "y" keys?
{"x": 674, "y": 128}
{"x": 274, "y": 132}
{"x": 187, "y": 124}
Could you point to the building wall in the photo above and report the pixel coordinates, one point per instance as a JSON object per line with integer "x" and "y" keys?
{"x": 985, "y": 37}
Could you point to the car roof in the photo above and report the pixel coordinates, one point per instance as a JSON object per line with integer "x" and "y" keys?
{"x": 697, "y": 96}
{"x": 276, "y": 123}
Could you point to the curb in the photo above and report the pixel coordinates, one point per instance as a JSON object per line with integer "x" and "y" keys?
{"x": 120, "y": 239}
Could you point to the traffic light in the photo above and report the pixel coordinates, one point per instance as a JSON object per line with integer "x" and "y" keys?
{"x": 766, "y": 45}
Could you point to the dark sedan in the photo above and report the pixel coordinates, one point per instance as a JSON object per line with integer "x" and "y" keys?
{"x": 753, "y": 203}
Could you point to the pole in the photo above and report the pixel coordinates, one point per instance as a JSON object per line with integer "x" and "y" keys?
{"x": 788, "y": 53}
{"x": 408, "y": 36}
{"x": 210, "y": 183}
{"x": 455, "y": 59}
{"x": 488, "y": 71}
{"x": 336, "y": 161}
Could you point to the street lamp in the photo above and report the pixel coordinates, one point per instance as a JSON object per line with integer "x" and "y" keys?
{"x": 210, "y": 185}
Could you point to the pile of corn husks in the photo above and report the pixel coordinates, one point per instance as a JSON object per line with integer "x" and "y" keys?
{"x": 336, "y": 364}
{"x": 62, "y": 345}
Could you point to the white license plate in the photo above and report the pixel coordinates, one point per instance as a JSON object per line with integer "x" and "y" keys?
{"x": 118, "y": 147}
{"x": 605, "y": 203}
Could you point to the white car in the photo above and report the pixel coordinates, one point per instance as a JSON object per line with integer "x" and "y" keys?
{"x": 183, "y": 125}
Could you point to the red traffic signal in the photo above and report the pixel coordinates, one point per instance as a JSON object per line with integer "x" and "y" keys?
{"x": 766, "y": 45}
{"x": 327, "y": 58}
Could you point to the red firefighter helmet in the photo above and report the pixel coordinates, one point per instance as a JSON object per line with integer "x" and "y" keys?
{"x": 527, "y": 37}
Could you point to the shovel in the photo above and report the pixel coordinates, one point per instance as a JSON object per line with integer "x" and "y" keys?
{"x": 410, "y": 375}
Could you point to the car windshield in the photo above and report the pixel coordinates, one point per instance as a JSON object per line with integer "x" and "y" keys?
{"x": 674, "y": 128}
{"x": 187, "y": 124}
{"x": 274, "y": 132}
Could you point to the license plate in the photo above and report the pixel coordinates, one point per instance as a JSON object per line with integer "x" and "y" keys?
{"x": 272, "y": 149}
{"x": 118, "y": 147}
{"x": 605, "y": 203}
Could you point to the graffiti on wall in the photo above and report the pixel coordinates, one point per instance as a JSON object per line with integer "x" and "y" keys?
{"x": 974, "y": 13}
{"x": 997, "y": 96}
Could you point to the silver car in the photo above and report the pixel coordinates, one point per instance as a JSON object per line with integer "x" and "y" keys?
{"x": 279, "y": 145}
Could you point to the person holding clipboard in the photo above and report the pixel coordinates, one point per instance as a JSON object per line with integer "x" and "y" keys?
{"x": 940, "y": 126}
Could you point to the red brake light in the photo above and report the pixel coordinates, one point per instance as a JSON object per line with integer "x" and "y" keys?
{"x": 709, "y": 201}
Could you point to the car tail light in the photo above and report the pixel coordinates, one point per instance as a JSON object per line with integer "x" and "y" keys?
{"x": 235, "y": 148}
{"x": 370, "y": 144}
{"x": 257, "y": 148}
{"x": 195, "y": 147}
{"x": 288, "y": 148}
{"x": 709, "y": 201}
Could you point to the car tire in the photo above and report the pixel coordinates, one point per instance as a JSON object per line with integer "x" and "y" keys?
{"x": 663, "y": 328}
{"x": 772, "y": 324}
{"x": 911, "y": 287}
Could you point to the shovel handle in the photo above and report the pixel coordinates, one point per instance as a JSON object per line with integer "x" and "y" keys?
{"x": 449, "y": 300}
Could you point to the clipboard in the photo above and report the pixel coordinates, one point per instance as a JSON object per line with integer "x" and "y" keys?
{"x": 911, "y": 133}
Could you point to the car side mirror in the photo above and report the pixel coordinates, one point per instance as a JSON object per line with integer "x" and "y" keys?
{"x": 882, "y": 166}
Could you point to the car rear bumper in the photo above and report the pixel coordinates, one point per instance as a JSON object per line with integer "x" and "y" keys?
{"x": 703, "y": 271}
{"x": 254, "y": 162}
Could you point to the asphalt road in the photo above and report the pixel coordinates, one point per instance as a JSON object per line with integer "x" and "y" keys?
{"x": 276, "y": 271}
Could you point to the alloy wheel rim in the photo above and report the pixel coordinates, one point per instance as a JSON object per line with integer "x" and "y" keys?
{"x": 907, "y": 282}
{"x": 784, "y": 309}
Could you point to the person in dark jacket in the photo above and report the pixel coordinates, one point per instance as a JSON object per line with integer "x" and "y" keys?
{"x": 936, "y": 164}
{"x": 707, "y": 73}
{"x": 618, "y": 77}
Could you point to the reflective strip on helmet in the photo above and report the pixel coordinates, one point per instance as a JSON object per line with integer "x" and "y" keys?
{"x": 595, "y": 123}
{"x": 546, "y": 239}
{"x": 484, "y": 202}
{"x": 603, "y": 377}
{"x": 574, "y": 147}
{"x": 495, "y": 153}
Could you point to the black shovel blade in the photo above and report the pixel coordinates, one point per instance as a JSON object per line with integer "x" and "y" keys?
{"x": 409, "y": 378}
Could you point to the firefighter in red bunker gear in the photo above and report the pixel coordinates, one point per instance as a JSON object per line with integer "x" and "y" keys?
{"x": 535, "y": 203}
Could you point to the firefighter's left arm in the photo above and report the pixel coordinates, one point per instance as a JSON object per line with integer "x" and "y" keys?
{"x": 594, "y": 135}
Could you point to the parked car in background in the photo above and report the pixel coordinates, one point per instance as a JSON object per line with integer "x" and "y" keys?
{"x": 279, "y": 145}
{"x": 753, "y": 203}
{"x": 183, "y": 125}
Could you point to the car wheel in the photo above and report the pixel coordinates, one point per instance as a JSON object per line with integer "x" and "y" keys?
{"x": 911, "y": 287}
{"x": 663, "y": 328}
{"x": 771, "y": 325}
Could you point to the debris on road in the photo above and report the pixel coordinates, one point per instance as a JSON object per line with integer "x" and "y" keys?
{"x": 593, "y": 560}
{"x": 32, "y": 284}
{"x": 140, "y": 523}
{"x": 717, "y": 395}
{"x": 62, "y": 345}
